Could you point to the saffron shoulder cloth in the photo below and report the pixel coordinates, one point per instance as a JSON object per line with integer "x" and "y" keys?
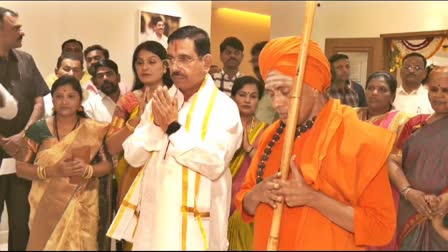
{"x": 84, "y": 142}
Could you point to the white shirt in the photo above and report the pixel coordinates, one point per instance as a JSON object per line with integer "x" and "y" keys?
{"x": 160, "y": 219}
{"x": 152, "y": 36}
{"x": 100, "y": 107}
{"x": 9, "y": 109}
{"x": 413, "y": 103}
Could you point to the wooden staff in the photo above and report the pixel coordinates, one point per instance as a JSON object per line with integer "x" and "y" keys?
{"x": 293, "y": 115}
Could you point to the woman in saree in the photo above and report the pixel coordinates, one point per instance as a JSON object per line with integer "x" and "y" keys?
{"x": 420, "y": 172}
{"x": 246, "y": 92}
{"x": 64, "y": 156}
{"x": 149, "y": 73}
{"x": 380, "y": 94}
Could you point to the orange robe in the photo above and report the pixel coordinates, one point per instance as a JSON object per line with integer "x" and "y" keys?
{"x": 343, "y": 158}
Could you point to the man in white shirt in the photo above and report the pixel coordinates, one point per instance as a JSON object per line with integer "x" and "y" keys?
{"x": 185, "y": 142}
{"x": 156, "y": 31}
{"x": 412, "y": 96}
{"x": 8, "y": 105}
{"x": 101, "y": 106}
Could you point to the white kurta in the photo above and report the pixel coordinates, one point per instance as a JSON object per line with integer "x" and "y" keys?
{"x": 99, "y": 107}
{"x": 9, "y": 109}
{"x": 160, "y": 220}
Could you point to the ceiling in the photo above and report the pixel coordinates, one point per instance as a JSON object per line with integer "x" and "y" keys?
{"x": 261, "y": 7}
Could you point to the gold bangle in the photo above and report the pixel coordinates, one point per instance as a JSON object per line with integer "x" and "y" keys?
{"x": 41, "y": 173}
{"x": 88, "y": 173}
{"x": 130, "y": 127}
{"x": 406, "y": 191}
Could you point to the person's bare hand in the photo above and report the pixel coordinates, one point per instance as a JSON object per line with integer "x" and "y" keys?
{"x": 247, "y": 147}
{"x": 71, "y": 168}
{"x": 442, "y": 208}
{"x": 417, "y": 199}
{"x": 263, "y": 191}
{"x": 164, "y": 108}
{"x": 295, "y": 190}
{"x": 11, "y": 144}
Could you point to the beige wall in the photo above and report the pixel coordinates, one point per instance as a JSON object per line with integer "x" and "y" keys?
{"x": 346, "y": 19}
{"x": 113, "y": 24}
{"x": 250, "y": 28}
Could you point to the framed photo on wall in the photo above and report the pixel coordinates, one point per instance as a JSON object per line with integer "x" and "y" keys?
{"x": 156, "y": 27}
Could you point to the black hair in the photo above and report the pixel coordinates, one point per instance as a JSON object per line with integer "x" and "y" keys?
{"x": 75, "y": 84}
{"x": 415, "y": 54}
{"x": 157, "y": 49}
{"x": 332, "y": 60}
{"x": 389, "y": 78}
{"x": 256, "y": 49}
{"x": 336, "y": 57}
{"x": 155, "y": 20}
{"x": 240, "y": 82}
{"x": 4, "y": 11}
{"x": 233, "y": 42}
{"x": 428, "y": 71}
{"x": 105, "y": 63}
{"x": 96, "y": 47}
{"x": 71, "y": 41}
{"x": 69, "y": 55}
{"x": 199, "y": 36}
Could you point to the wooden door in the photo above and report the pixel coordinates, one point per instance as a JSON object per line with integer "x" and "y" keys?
{"x": 372, "y": 47}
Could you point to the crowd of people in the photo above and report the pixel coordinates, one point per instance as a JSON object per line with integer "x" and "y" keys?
{"x": 187, "y": 156}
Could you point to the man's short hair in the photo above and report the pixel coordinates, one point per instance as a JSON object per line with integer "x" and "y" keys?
{"x": 336, "y": 57}
{"x": 415, "y": 54}
{"x": 69, "y": 55}
{"x": 105, "y": 63}
{"x": 256, "y": 49}
{"x": 96, "y": 47}
{"x": 71, "y": 41}
{"x": 4, "y": 11}
{"x": 155, "y": 20}
{"x": 199, "y": 36}
{"x": 233, "y": 42}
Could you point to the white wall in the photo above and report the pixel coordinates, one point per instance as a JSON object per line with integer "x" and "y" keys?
{"x": 112, "y": 24}
{"x": 348, "y": 19}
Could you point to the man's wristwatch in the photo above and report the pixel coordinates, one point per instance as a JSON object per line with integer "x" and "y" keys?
{"x": 173, "y": 127}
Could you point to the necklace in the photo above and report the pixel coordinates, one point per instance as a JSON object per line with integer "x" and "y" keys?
{"x": 268, "y": 150}
{"x": 55, "y": 122}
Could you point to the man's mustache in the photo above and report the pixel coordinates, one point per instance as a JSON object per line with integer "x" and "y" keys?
{"x": 176, "y": 73}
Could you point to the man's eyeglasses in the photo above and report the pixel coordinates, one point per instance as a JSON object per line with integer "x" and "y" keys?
{"x": 415, "y": 68}
{"x": 182, "y": 61}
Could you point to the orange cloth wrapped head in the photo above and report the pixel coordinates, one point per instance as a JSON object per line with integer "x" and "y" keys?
{"x": 281, "y": 54}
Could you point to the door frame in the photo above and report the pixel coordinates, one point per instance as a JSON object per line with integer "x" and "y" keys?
{"x": 372, "y": 46}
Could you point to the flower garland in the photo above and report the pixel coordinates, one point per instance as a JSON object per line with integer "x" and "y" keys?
{"x": 399, "y": 48}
